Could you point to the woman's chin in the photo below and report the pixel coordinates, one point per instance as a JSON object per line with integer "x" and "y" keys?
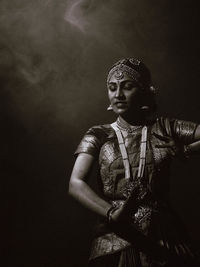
{"x": 120, "y": 111}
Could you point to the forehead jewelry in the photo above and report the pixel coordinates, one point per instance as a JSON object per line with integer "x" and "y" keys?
{"x": 119, "y": 71}
{"x": 119, "y": 75}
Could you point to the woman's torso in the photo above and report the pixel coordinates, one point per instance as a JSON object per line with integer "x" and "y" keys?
{"x": 101, "y": 141}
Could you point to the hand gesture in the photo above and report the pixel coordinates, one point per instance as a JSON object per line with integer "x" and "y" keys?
{"x": 170, "y": 143}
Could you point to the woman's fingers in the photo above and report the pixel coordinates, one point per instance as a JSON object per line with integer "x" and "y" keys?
{"x": 164, "y": 146}
{"x": 171, "y": 146}
{"x": 118, "y": 214}
{"x": 169, "y": 142}
{"x": 162, "y": 137}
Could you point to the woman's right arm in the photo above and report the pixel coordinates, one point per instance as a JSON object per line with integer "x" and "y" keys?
{"x": 81, "y": 191}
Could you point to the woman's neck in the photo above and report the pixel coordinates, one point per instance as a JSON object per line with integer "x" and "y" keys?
{"x": 137, "y": 119}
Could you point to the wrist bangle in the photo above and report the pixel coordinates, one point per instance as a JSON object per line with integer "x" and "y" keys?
{"x": 186, "y": 151}
{"x": 109, "y": 214}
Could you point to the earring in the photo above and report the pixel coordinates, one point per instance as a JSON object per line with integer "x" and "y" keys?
{"x": 145, "y": 108}
{"x": 153, "y": 90}
{"x": 109, "y": 108}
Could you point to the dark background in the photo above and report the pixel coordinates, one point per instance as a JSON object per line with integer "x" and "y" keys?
{"x": 54, "y": 56}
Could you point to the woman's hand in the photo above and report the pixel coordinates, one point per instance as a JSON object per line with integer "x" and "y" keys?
{"x": 175, "y": 148}
{"x": 183, "y": 151}
{"x": 121, "y": 214}
{"x": 118, "y": 214}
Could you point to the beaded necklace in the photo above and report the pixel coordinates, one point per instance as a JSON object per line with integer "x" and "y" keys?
{"x": 128, "y": 128}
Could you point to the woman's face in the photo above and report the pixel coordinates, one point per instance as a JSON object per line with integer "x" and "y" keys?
{"x": 123, "y": 94}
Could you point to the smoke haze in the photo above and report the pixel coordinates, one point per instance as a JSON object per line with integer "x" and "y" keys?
{"x": 54, "y": 58}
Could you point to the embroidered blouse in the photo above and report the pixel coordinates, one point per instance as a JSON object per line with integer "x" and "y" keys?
{"x": 101, "y": 142}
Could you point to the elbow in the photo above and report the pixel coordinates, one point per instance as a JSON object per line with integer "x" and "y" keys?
{"x": 73, "y": 188}
{"x": 197, "y": 133}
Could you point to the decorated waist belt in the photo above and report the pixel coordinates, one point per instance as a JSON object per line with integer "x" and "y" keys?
{"x": 123, "y": 150}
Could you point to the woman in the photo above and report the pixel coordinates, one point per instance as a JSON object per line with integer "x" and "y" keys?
{"x": 137, "y": 225}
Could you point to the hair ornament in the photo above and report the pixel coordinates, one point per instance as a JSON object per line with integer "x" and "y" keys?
{"x": 135, "y": 61}
{"x": 120, "y": 69}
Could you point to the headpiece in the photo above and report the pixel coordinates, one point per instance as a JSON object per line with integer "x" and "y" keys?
{"x": 135, "y": 69}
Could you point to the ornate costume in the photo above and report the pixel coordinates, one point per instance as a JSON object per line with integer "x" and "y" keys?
{"x": 152, "y": 216}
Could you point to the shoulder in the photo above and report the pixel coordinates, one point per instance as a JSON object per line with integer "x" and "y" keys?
{"x": 101, "y": 131}
{"x": 165, "y": 124}
{"x": 94, "y": 138}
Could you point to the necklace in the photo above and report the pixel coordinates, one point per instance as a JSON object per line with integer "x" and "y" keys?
{"x": 128, "y": 128}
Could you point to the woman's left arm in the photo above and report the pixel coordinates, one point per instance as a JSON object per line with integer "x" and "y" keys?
{"x": 194, "y": 148}
{"x": 189, "y": 149}
{"x": 197, "y": 133}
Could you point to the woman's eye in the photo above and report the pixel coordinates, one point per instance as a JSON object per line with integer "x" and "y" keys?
{"x": 128, "y": 86}
{"x": 111, "y": 87}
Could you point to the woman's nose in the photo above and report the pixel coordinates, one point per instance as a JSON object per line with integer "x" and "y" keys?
{"x": 119, "y": 92}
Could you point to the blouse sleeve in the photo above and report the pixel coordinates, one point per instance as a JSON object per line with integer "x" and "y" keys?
{"x": 183, "y": 131}
{"x": 89, "y": 144}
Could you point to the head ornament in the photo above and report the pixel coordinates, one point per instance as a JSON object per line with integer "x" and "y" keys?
{"x": 135, "y": 69}
{"x": 139, "y": 72}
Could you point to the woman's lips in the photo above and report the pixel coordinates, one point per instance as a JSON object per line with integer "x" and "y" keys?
{"x": 120, "y": 104}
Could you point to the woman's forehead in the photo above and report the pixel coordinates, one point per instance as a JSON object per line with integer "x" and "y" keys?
{"x": 120, "y": 76}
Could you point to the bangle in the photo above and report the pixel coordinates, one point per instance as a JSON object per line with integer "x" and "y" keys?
{"x": 109, "y": 213}
{"x": 186, "y": 151}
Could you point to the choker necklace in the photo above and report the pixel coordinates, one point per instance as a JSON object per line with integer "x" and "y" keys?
{"x": 128, "y": 128}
